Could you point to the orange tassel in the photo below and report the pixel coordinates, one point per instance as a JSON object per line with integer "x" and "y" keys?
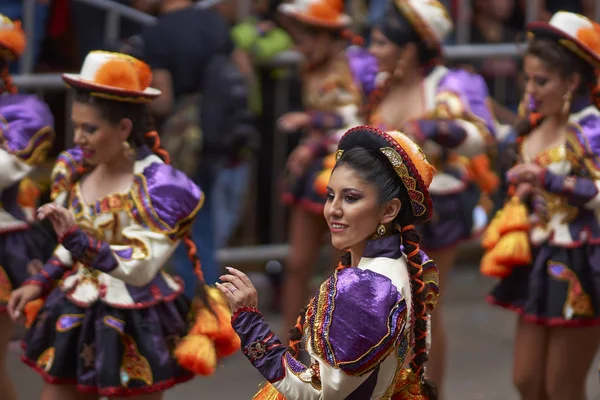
{"x": 197, "y": 354}
{"x": 408, "y": 387}
{"x": 515, "y": 217}
{"x": 329, "y": 161}
{"x": 482, "y": 174}
{"x": 268, "y": 392}
{"x": 29, "y": 193}
{"x": 489, "y": 267}
{"x": 321, "y": 182}
{"x": 513, "y": 249}
{"x": 31, "y": 310}
{"x": 492, "y": 235}
{"x": 227, "y": 341}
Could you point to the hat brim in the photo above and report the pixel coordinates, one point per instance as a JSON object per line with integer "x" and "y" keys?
{"x": 111, "y": 93}
{"x": 374, "y": 140}
{"x": 289, "y": 10}
{"x": 580, "y": 49}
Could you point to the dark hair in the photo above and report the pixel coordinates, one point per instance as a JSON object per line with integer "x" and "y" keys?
{"x": 375, "y": 168}
{"x": 399, "y": 30}
{"x": 566, "y": 63}
{"x": 143, "y": 134}
{"x": 8, "y": 85}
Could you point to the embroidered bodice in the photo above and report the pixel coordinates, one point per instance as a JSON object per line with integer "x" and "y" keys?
{"x": 566, "y": 212}
{"x": 358, "y": 332}
{"x": 122, "y": 240}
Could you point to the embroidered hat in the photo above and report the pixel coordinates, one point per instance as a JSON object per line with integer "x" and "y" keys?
{"x": 114, "y": 76}
{"x": 12, "y": 38}
{"x": 573, "y": 31}
{"x": 405, "y": 156}
{"x": 429, "y": 19}
{"x": 321, "y": 13}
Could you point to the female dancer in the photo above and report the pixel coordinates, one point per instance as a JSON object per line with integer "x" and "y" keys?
{"x": 111, "y": 326}
{"x": 334, "y": 79}
{"x": 445, "y": 111}
{"x": 26, "y": 137}
{"x": 554, "y": 288}
{"x": 361, "y": 325}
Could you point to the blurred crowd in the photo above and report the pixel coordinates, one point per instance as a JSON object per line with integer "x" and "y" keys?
{"x": 186, "y": 49}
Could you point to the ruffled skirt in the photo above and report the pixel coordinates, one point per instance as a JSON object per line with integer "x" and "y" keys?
{"x": 560, "y": 288}
{"x": 105, "y": 350}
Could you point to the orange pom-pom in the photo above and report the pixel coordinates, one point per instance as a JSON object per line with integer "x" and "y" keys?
{"x": 268, "y": 392}
{"x": 514, "y": 217}
{"x": 118, "y": 73}
{"x": 489, "y": 267}
{"x": 322, "y": 181}
{"x": 197, "y": 354}
{"x": 329, "y": 161}
{"x": 482, "y": 174}
{"x": 13, "y": 39}
{"x": 513, "y": 249}
{"x": 590, "y": 37}
{"x": 29, "y": 193}
{"x": 31, "y": 311}
{"x": 144, "y": 74}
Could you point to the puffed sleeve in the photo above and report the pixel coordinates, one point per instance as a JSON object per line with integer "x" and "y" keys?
{"x": 163, "y": 204}
{"x": 349, "y": 338}
{"x": 462, "y": 119}
{"x": 27, "y": 135}
{"x": 581, "y": 191}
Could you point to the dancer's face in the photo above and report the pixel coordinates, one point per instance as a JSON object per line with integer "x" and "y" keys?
{"x": 546, "y": 85}
{"x": 352, "y": 210}
{"x": 385, "y": 51}
{"x": 100, "y": 140}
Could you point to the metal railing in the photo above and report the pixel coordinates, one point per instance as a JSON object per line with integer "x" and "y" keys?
{"x": 116, "y": 11}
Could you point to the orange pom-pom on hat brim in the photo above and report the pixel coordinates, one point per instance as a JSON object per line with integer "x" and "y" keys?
{"x": 584, "y": 46}
{"x": 318, "y": 15}
{"x": 12, "y": 41}
{"x": 114, "y": 76}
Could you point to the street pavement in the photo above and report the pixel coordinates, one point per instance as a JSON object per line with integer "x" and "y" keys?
{"x": 480, "y": 356}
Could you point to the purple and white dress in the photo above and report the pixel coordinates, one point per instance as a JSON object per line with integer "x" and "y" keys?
{"x": 561, "y": 287}
{"x": 113, "y": 316}
{"x": 27, "y": 130}
{"x": 457, "y": 126}
{"x": 358, "y": 333}
{"x": 334, "y": 109}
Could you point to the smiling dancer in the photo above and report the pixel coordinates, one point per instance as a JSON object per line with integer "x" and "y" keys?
{"x": 545, "y": 243}
{"x": 370, "y": 315}
{"x": 113, "y": 325}
{"x": 26, "y": 137}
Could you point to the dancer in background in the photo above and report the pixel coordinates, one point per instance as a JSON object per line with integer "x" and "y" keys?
{"x": 446, "y": 112}
{"x": 115, "y": 323}
{"x": 26, "y": 137}
{"x": 334, "y": 78}
{"x": 369, "y": 317}
{"x": 545, "y": 243}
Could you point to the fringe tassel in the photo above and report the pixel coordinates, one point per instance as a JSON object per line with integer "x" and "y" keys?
{"x": 210, "y": 338}
{"x": 506, "y": 240}
{"x": 408, "y": 387}
{"x": 268, "y": 392}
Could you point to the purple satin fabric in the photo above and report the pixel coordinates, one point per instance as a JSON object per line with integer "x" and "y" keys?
{"x": 21, "y": 117}
{"x": 173, "y": 195}
{"x": 364, "y": 68}
{"x": 363, "y": 302}
{"x": 473, "y": 92}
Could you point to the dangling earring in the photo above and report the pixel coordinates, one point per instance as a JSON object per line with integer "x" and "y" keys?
{"x": 380, "y": 231}
{"x": 567, "y": 103}
{"x": 129, "y": 152}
